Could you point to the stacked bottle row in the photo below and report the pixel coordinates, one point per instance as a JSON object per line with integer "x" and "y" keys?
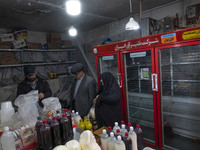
{"x": 54, "y": 131}
{"x": 122, "y": 138}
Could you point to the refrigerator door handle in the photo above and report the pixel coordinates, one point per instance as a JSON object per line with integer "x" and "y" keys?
{"x": 154, "y": 80}
{"x": 120, "y": 80}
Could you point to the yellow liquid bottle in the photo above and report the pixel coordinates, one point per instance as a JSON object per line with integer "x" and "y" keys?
{"x": 81, "y": 125}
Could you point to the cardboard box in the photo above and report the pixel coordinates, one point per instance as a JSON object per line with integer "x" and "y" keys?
{"x": 53, "y": 37}
{"x": 19, "y": 43}
{"x": 32, "y": 45}
{"x": 98, "y": 134}
{"x": 7, "y": 58}
{"x": 5, "y": 45}
{"x": 22, "y": 34}
{"x": 7, "y": 37}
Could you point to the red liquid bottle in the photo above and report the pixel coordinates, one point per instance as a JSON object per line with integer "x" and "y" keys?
{"x": 127, "y": 141}
{"x": 70, "y": 123}
{"x": 58, "y": 115}
{"x": 138, "y": 131}
{"x": 129, "y": 125}
{"x": 65, "y": 128}
{"x": 55, "y": 128}
{"x": 46, "y": 138}
{"x": 37, "y": 127}
{"x": 109, "y": 130}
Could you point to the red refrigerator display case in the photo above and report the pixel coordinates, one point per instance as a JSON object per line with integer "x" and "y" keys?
{"x": 159, "y": 77}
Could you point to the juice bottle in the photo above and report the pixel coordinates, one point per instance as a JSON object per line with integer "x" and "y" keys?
{"x": 133, "y": 137}
{"x": 70, "y": 123}
{"x": 8, "y": 140}
{"x": 119, "y": 144}
{"x": 138, "y": 132}
{"x": 111, "y": 142}
{"x": 104, "y": 140}
{"x": 55, "y": 128}
{"x": 81, "y": 125}
{"x": 88, "y": 125}
{"x": 37, "y": 127}
{"x": 46, "y": 138}
{"x": 129, "y": 125}
{"x": 116, "y": 127}
{"x": 49, "y": 118}
{"x": 58, "y": 115}
{"x": 127, "y": 141}
{"x": 123, "y": 130}
{"x": 65, "y": 128}
{"x": 109, "y": 130}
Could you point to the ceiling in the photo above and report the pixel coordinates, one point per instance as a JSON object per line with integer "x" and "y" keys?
{"x": 51, "y": 16}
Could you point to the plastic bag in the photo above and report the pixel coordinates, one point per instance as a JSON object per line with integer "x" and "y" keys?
{"x": 73, "y": 145}
{"x": 60, "y": 147}
{"x": 51, "y": 105}
{"x": 27, "y": 107}
{"x": 91, "y": 113}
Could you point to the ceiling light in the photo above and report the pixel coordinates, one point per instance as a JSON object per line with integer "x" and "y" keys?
{"x": 132, "y": 24}
{"x": 72, "y": 31}
{"x": 73, "y": 7}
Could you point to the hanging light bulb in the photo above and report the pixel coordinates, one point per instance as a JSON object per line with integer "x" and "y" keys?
{"x": 72, "y": 31}
{"x": 73, "y": 7}
{"x": 132, "y": 24}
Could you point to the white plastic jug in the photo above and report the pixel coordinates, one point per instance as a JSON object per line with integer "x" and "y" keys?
{"x": 7, "y": 112}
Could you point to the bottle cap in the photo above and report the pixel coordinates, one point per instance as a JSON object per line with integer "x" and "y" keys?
{"x": 129, "y": 124}
{"x": 116, "y": 123}
{"x": 73, "y": 111}
{"x": 6, "y": 128}
{"x": 126, "y": 134}
{"x": 66, "y": 110}
{"x": 54, "y": 118}
{"x": 111, "y": 134}
{"x": 75, "y": 125}
{"x": 123, "y": 126}
{"x": 109, "y": 128}
{"x": 57, "y": 111}
{"x": 77, "y": 112}
{"x": 63, "y": 115}
{"x": 137, "y": 126}
{"x": 49, "y": 114}
{"x": 39, "y": 118}
{"x": 122, "y": 122}
{"x": 131, "y": 128}
{"x": 118, "y": 130}
{"x": 44, "y": 121}
{"x": 119, "y": 138}
{"x": 104, "y": 131}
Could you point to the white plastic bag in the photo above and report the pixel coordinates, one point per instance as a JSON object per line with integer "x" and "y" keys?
{"x": 73, "y": 145}
{"x": 51, "y": 105}
{"x": 27, "y": 107}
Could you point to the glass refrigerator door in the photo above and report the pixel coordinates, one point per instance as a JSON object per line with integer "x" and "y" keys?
{"x": 109, "y": 63}
{"x": 179, "y": 69}
{"x": 139, "y": 94}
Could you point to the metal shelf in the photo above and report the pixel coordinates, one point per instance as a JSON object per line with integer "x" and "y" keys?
{"x": 36, "y": 50}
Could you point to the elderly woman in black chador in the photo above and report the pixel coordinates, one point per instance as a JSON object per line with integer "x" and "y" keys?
{"x": 108, "y": 108}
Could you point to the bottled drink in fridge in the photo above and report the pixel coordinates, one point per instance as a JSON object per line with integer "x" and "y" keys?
{"x": 116, "y": 127}
{"x": 7, "y": 140}
{"x": 119, "y": 144}
{"x": 46, "y": 137}
{"x": 127, "y": 141}
{"x": 70, "y": 123}
{"x": 55, "y": 128}
{"x": 133, "y": 137}
{"x": 123, "y": 130}
{"x": 104, "y": 140}
{"x": 138, "y": 132}
{"x": 65, "y": 129}
{"x": 37, "y": 127}
{"x": 111, "y": 142}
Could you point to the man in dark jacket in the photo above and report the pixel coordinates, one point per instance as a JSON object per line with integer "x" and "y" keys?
{"x": 83, "y": 90}
{"x": 33, "y": 82}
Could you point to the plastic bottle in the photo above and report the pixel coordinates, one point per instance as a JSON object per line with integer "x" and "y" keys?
{"x": 49, "y": 118}
{"x": 138, "y": 132}
{"x": 78, "y": 118}
{"x": 118, "y": 133}
{"x": 37, "y": 127}
{"x": 58, "y": 115}
{"x": 133, "y": 137}
{"x": 70, "y": 123}
{"x": 123, "y": 130}
{"x": 55, "y": 128}
{"x": 111, "y": 142}
{"x": 119, "y": 144}
{"x": 104, "y": 140}
{"x": 46, "y": 138}
{"x": 127, "y": 141}
{"x": 65, "y": 129}
{"x": 7, "y": 140}
{"x": 115, "y": 127}
{"x": 76, "y": 134}
{"x": 81, "y": 125}
{"x": 88, "y": 125}
{"x": 129, "y": 125}
{"x": 110, "y": 130}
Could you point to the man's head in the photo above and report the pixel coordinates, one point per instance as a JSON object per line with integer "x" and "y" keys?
{"x": 77, "y": 70}
{"x": 30, "y": 73}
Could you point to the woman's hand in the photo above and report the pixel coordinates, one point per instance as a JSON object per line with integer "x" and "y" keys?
{"x": 95, "y": 99}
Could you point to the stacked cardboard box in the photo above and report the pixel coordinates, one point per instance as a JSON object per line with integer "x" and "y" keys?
{"x": 7, "y": 58}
